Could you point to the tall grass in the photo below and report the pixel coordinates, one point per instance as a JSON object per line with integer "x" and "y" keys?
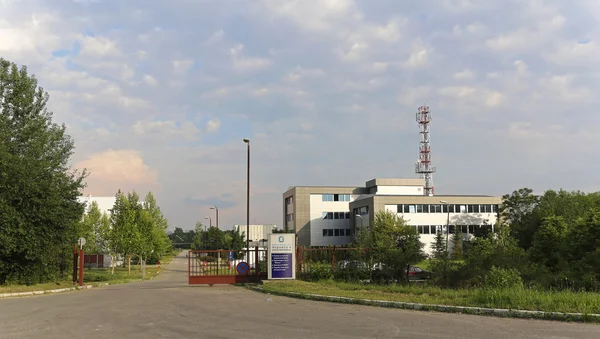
{"x": 511, "y": 298}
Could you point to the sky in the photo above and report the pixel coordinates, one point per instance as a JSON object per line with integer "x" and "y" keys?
{"x": 158, "y": 95}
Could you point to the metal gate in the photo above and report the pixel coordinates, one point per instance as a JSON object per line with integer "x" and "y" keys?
{"x": 212, "y": 267}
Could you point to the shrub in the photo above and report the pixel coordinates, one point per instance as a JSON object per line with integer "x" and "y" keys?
{"x": 503, "y": 278}
{"x": 316, "y": 271}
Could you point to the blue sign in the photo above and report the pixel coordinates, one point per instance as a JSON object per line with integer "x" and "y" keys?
{"x": 281, "y": 265}
{"x": 230, "y": 256}
{"x": 243, "y": 268}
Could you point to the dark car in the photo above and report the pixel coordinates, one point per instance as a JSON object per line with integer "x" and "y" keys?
{"x": 382, "y": 273}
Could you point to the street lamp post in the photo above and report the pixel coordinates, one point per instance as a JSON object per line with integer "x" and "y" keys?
{"x": 247, "y": 141}
{"x": 447, "y": 222}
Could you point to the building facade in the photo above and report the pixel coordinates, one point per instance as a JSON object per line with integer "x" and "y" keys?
{"x": 324, "y": 216}
{"x": 259, "y": 234}
{"x": 105, "y": 204}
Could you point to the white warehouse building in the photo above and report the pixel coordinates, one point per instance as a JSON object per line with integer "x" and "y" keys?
{"x": 324, "y": 216}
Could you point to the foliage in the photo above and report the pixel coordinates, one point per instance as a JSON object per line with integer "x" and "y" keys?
{"x": 457, "y": 244}
{"x": 439, "y": 246}
{"x": 38, "y": 191}
{"x": 503, "y": 278}
{"x": 315, "y": 271}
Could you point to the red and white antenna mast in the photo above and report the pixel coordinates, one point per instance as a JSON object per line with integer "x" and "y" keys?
{"x": 423, "y": 165}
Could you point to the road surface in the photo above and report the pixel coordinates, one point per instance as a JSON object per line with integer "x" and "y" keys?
{"x": 168, "y": 308}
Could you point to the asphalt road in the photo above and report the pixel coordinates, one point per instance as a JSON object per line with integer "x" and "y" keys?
{"x": 168, "y": 308}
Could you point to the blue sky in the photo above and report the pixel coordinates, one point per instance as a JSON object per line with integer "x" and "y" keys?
{"x": 158, "y": 95}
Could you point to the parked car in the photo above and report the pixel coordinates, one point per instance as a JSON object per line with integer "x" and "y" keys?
{"x": 383, "y": 273}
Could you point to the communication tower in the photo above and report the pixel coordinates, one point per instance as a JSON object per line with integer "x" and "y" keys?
{"x": 423, "y": 165}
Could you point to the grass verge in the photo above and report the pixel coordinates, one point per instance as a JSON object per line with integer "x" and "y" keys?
{"x": 514, "y": 299}
{"x": 94, "y": 276}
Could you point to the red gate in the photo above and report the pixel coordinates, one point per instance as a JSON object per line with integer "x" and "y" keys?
{"x": 212, "y": 267}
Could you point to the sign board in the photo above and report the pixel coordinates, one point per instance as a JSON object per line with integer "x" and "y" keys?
{"x": 81, "y": 242}
{"x": 231, "y": 256}
{"x": 243, "y": 268}
{"x": 282, "y": 256}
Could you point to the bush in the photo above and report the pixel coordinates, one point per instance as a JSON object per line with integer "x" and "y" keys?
{"x": 351, "y": 273}
{"x": 316, "y": 271}
{"x": 503, "y": 278}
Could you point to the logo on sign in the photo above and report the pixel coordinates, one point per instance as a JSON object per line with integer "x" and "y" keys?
{"x": 280, "y": 238}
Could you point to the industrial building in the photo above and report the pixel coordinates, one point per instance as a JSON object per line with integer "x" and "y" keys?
{"x": 324, "y": 216}
{"x": 259, "y": 234}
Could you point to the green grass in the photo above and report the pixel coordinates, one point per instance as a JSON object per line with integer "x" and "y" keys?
{"x": 94, "y": 276}
{"x": 523, "y": 299}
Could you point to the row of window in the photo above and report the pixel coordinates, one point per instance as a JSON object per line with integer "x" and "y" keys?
{"x": 447, "y": 208}
{"x": 466, "y": 229}
{"x": 337, "y": 232}
{"x": 336, "y": 197}
{"x": 289, "y": 200}
{"x": 336, "y": 215}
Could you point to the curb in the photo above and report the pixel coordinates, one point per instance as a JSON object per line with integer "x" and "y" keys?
{"x": 58, "y": 290}
{"x": 496, "y": 312}
{"x": 67, "y": 289}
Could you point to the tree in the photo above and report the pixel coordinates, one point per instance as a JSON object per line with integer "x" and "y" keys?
{"x": 457, "y": 244}
{"x": 397, "y": 245}
{"x": 518, "y": 210}
{"x": 237, "y": 243}
{"x": 38, "y": 190}
{"x": 439, "y": 246}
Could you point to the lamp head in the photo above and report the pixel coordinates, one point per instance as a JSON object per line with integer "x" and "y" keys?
{"x": 246, "y": 140}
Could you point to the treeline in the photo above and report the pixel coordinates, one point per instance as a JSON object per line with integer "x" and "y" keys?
{"x": 134, "y": 228}
{"x": 547, "y": 242}
{"x": 204, "y": 237}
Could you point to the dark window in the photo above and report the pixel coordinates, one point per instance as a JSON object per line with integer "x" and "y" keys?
{"x": 451, "y": 229}
{"x": 487, "y": 209}
{"x": 426, "y": 229}
{"x": 337, "y": 232}
{"x": 399, "y": 209}
{"x": 336, "y": 197}
{"x": 472, "y": 229}
{"x": 419, "y": 208}
{"x": 324, "y": 232}
{"x": 336, "y": 215}
{"x": 407, "y": 208}
{"x": 435, "y": 208}
{"x": 347, "y": 232}
{"x": 330, "y": 232}
{"x": 347, "y": 215}
{"x": 473, "y": 208}
{"x": 465, "y": 228}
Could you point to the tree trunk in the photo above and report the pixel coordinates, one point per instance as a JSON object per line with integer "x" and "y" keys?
{"x": 129, "y": 265}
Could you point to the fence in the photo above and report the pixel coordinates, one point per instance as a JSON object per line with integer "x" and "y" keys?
{"x": 220, "y": 266}
{"x": 337, "y": 262}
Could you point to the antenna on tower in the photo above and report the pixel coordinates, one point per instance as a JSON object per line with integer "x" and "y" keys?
{"x": 423, "y": 165}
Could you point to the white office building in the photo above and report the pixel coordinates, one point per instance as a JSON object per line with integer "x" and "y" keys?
{"x": 324, "y": 216}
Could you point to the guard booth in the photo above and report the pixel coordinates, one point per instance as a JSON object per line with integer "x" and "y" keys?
{"x": 277, "y": 261}
{"x": 210, "y": 267}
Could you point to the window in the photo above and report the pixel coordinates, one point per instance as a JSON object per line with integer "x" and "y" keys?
{"x": 327, "y": 215}
{"x": 473, "y": 208}
{"x": 435, "y": 208}
{"x": 348, "y": 232}
{"x": 290, "y": 217}
{"x": 422, "y": 208}
{"x": 399, "y": 209}
{"x": 289, "y": 200}
{"x": 472, "y": 229}
{"x": 461, "y": 208}
{"x": 327, "y": 197}
{"x": 412, "y": 208}
{"x": 448, "y": 208}
{"x": 330, "y": 232}
{"x": 336, "y": 215}
{"x": 347, "y": 215}
{"x": 486, "y": 209}
{"x": 464, "y": 229}
{"x": 324, "y": 232}
{"x": 424, "y": 229}
{"x": 337, "y": 232}
{"x": 451, "y": 229}
{"x": 363, "y": 210}
{"x": 407, "y": 209}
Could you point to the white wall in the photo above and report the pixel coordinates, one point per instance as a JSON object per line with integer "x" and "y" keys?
{"x": 257, "y": 232}
{"x": 399, "y": 190}
{"x": 317, "y": 223}
{"x": 105, "y": 204}
{"x": 440, "y": 220}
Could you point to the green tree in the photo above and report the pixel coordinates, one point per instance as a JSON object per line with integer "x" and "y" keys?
{"x": 398, "y": 246}
{"x": 88, "y": 228}
{"x": 457, "y": 244}
{"x": 439, "y": 246}
{"x": 39, "y": 210}
{"x": 200, "y": 237}
{"x": 237, "y": 243}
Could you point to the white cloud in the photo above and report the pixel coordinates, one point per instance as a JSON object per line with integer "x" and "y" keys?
{"x": 241, "y": 62}
{"x": 464, "y": 75}
{"x": 98, "y": 47}
{"x": 212, "y": 126}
